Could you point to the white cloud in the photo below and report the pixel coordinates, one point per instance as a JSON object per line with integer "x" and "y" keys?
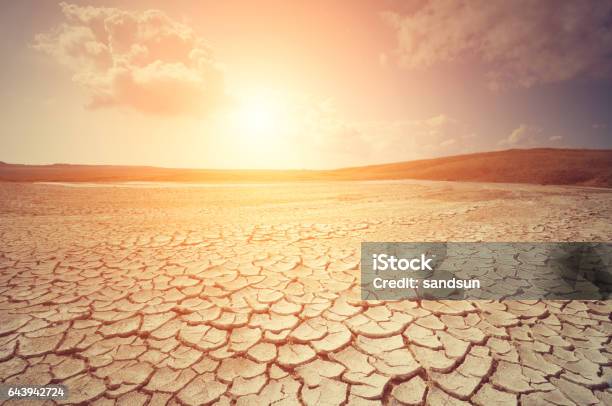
{"x": 318, "y": 131}
{"x": 555, "y": 138}
{"x": 523, "y": 136}
{"x": 385, "y": 141}
{"x": 383, "y": 59}
{"x": 448, "y": 142}
{"x": 520, "y": 43}
{"x": 143, "y": 60}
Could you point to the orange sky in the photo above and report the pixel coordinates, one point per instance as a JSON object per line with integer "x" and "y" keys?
{"x": 313, "y": 84}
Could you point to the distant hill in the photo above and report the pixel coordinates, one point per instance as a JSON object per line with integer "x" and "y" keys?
{"x": 538, "y": 166}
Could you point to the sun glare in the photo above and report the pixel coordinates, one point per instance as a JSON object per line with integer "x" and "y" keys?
{"x": 260, "y": 114}
{"x": 261, "y": 128}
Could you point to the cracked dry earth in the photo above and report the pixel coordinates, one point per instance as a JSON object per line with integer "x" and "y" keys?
{"x": 249, "y": 295}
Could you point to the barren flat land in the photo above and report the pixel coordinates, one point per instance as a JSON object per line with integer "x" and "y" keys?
{"x": 249, "y": 294}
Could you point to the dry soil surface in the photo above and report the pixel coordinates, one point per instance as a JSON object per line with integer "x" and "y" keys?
{"x": 249, "y": 295}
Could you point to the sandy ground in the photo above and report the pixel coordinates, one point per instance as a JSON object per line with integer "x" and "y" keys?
{"x": 248, "y": 295}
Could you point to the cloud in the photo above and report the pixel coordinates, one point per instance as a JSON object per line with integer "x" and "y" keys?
{"x": 519, "y": 43}
{"x": 143, "y": 60}
{"x": 555, "y": 138}
{"x": 318, "y": 131}
{"x": 383, "y": 59}
{"x": 523, "y": 136}
{"x": 448, "y": 142}
{"x": 381, "y": 140}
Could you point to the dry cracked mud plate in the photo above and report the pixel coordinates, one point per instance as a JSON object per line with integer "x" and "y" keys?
{"x": 195, "y": 297}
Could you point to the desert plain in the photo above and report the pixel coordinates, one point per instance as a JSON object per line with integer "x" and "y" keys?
{"x": 248, "y": 294}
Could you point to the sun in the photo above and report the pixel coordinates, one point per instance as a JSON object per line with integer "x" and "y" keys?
{"x": 260, "y": 114}
{"x": 263, "y": 127}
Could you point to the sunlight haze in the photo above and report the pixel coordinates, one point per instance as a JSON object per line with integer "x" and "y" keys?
{"x": 276, "y": 84}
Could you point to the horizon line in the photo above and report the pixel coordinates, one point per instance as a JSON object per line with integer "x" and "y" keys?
{"x": 300, "y": 169}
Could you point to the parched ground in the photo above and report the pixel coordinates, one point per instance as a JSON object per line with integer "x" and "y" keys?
{"x": 249, "y": 295}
